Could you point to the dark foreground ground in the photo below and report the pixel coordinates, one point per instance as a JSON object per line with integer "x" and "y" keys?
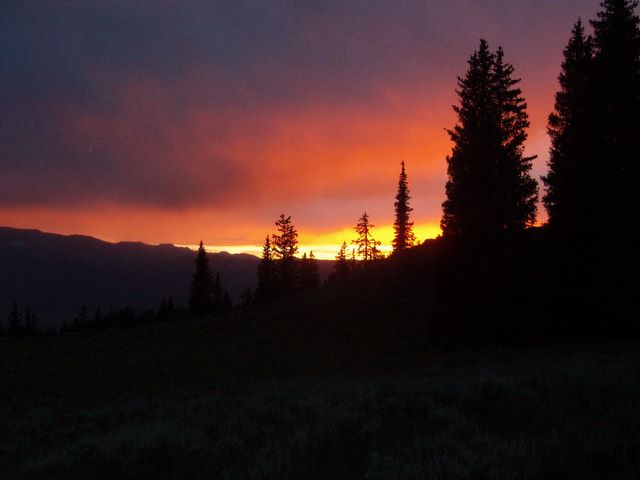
{"x": 343, "y": 382}
{"x": 228, "y": 400}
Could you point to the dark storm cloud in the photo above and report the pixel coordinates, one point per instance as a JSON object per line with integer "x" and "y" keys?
{"x": 150, "y": 102}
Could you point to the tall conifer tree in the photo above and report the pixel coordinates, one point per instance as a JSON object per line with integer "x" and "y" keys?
{"x": 266, "y": 274}
{"x": 284, "y": 247}
{"x": 201, "y": 285}
{"x": 489, "y": 190}
{"x": 616, "y": 92}
{"x": 403, "y": 227}
{"x": 569, "y": 198}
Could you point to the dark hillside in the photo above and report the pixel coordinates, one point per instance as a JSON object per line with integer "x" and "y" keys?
{"x": 346, "y": 381}
{"x": 387, "y": 315}
{"x": 366, "y": 322}
{"x": 54, "y": 275}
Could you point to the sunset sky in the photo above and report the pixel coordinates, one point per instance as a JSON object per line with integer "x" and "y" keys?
{"x": 175, "y": 121}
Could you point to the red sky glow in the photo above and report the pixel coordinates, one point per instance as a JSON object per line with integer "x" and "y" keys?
{"x": 182, "y": 121}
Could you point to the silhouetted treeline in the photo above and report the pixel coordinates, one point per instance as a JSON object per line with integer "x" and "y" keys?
{"x": 496, "y": 280}
{"x": 595, "y": 129}
{"x": 206, "y": 297}
{"x": 281, "y": 273}
{"x": 20, "y": 323}
{"x": 499, "y": 278}
{"x": 496, "y": 277}
{"x": 23, "y": 323}
{"x": 592, "y": 196}
{"x": 124, "y": 317}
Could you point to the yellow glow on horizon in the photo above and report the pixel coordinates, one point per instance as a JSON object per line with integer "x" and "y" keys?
{"x": 325, "y": 245}
{"x": 383, "y": 233}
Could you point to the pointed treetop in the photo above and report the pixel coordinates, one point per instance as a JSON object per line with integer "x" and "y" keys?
{"x": 367, "y": 245}
{"x": 285, "y": 244}
{"x": 402, "y": 226}
{"x": 201, "y": 283}
{"x": 266, "y": 250}
{"x": 617, "y": 25}
{"x": 489, "y": 189}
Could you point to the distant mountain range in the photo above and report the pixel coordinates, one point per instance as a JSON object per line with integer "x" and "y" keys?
{"x": 54, "y": 275}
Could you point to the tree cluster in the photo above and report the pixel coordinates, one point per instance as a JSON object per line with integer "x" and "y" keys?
{"x": 280, "y": 272}
{"x": 207, "y": 295}
{"x": 23, "y": 323}
{"x": 591, "y": 190}
{"x": 366, "y": 246}
{"x": 167, "y": 311}
{"x": 592, "y": 196}
{"x": 20, "y": 323}
{"x": 573, "y": 275}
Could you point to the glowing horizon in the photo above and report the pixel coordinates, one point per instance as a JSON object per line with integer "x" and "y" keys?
{"x": 329, "y": 249}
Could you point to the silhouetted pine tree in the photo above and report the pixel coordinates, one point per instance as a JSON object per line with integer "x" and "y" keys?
{"x": 402, "y": 227}
{"x": 309, "y": 276}
{"x": 265, "y": 292}
{"x": 285, "y": 246}
{"x": 341, "y": 268}
{"x": 367, "y": 246}
{"x": 201, "y": 285}
{"x": 616, "y": 92}
{"x": 616, "y": 118}
{"x": 569, "y": 198}
{"x": 489, "y": 190}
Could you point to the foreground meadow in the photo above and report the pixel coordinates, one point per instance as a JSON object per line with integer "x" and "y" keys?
{"x": 546, "y": 412}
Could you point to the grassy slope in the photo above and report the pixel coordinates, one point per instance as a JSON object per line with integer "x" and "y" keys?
{"x": 337, "y": 383}
{"x": 361, "y": 323}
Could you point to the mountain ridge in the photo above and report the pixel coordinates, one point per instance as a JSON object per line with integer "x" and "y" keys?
{"x": 54, "y": 274}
